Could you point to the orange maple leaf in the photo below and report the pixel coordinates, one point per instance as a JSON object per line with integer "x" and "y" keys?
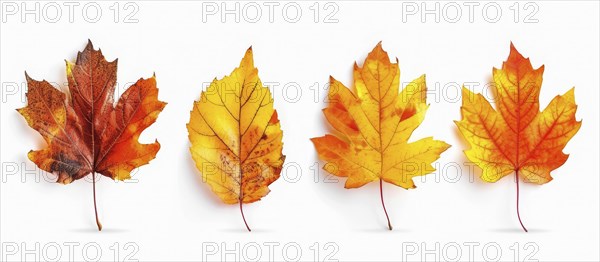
{"x": 85, "y": 132}
{"x": 516, "y": 136}
{"x": 375, "y": 125}
{"x": 236, "y": 136}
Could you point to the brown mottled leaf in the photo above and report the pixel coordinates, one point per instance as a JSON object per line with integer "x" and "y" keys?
{"x": 85, "y": 132}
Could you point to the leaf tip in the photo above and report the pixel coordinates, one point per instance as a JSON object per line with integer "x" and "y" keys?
{"x": 89, "y": 45}
{"x": 314, "y": 140}
{"x": 446, "y": 145}
{"x": 378, "y": 49}
{"x": 514, "y": 55}
{"x": 27, "y": 77}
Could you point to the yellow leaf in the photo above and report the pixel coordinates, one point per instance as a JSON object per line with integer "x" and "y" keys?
{"x": 236, "y": 137}
{"x": 374, "y": 127}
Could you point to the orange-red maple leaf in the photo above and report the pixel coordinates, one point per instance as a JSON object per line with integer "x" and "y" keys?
{"x": 516, "y": 136}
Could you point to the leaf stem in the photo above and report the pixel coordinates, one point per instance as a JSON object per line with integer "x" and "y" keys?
{"x": 518, "y": 214}
{"x": 383, "y": 203}
{"x": 244, "y": 218}
{"x": 95, "y": 208}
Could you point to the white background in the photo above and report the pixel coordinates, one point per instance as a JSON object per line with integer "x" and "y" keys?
{"x": 169, "y": 214}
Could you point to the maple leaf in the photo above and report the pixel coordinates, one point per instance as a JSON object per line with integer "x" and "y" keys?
{"x": 375, "y": 125}
{"x": 85, "y": 132}
{"x": 236, "y": 137}
{"x": 516, "y": 136}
